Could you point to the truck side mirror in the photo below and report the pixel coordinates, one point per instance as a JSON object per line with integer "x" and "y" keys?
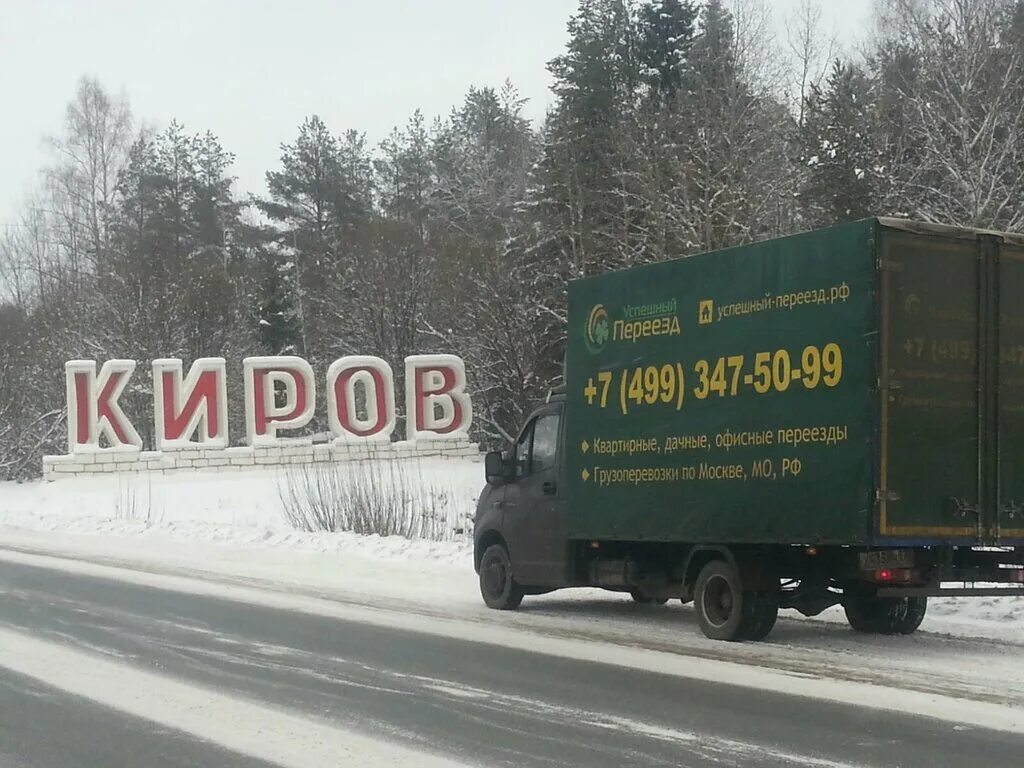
{"x": 496, "y": 469}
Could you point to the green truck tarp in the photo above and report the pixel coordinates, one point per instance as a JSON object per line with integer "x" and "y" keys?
{"x": 859, "y": 385}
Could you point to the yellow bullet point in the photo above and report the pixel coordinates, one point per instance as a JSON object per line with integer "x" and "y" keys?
{"x": 586, "y": 474}
{"x": 585, "y": 446}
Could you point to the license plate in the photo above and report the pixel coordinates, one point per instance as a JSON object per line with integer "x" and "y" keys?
{"x": 886, "y": 558}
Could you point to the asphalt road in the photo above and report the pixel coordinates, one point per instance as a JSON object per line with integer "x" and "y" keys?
{"x": 479, "y": 704}
{"x": 44, "y": 727}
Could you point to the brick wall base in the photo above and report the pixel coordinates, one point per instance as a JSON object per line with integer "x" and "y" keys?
{"x": 106, "y": 462}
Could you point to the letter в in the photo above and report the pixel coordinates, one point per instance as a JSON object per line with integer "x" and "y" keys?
{"x": 435, "y": 397}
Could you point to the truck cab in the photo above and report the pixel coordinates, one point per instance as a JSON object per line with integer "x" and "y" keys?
{"x": 521, "y": 536}
{"x": 521, "y": 516}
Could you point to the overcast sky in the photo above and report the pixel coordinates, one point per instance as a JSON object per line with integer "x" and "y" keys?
{"x": 250, "y": 70}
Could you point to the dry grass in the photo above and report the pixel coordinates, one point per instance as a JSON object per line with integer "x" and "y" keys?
{"x": 387, "y": 498}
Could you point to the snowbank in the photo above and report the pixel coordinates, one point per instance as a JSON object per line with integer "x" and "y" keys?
{"x": 239, "y": 509}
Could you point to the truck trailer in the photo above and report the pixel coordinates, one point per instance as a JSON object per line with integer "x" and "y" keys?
{"x": 831, "y": 418}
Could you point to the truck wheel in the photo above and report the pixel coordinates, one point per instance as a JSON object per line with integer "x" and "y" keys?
{"x": 762, "y": 611}
{"x": 718, "y": 599}
{"x": 726, "y": 612}
{"x": 885, "y": 615}
{"x": 641, "y": 597}
{"x": 497, "y": 587}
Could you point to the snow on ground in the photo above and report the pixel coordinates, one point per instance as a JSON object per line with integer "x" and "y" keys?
{"x": 230, "y": 528}
{"x": 238, "y": 509}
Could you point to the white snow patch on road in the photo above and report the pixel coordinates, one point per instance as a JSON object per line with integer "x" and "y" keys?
{"x": 708, "y": 746}
{"x": 716, "y": 748}
{"x": 275, "y": 735}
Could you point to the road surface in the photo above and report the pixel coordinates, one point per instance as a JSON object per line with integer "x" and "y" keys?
{"x": 252, "y": 667}
{"x": 45, "y": 727}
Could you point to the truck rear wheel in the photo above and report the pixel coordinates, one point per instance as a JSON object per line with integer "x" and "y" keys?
{"x": 497, "y": 586}
{"x": 885, "y": 615}
{"x": 763, "y": 612}
{"x": 725, "y": 611}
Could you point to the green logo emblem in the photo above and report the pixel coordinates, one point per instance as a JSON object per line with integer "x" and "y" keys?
{"x": 597, "y": 331}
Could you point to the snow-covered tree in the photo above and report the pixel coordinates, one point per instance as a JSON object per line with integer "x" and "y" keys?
{"x": 845, "y": 175}
{"x": 964, "y": 113}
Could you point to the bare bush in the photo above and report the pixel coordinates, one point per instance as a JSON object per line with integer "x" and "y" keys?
{"x": 134, "y": 502}
{"x": 387, "y": 498}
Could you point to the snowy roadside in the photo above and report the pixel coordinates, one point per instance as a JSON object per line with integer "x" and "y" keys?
{"x": 229, "y": 528}
{"x": 233, "y": 525}
{"x": 236, "y": 521}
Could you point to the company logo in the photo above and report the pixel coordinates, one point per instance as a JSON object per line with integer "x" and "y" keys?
{"x": 638, "y": 322}
{"x": 706, "y": 312}
{"x": 597, "y": 332}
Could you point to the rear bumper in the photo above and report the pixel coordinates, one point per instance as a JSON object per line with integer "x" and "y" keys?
{"x": 951, "y": 591}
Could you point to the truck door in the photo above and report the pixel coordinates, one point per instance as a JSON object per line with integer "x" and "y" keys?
{"x": 1010, "y": 511}
{"x": 534, "y": 519}
{"x": 952, "y": 381}
{"x": 931, "y": 480}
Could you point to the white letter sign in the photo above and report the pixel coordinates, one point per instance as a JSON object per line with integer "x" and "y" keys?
{"x": 197, "y": 405}
{"x": 93, "y": 409}
{"x": 436, "y": 383}
{"x": 263, "y": 416}
{"x": 378, "y": 384}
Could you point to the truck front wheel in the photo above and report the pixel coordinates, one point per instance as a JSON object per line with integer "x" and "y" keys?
{"x": 725, "y": 611}
{"x": 497, "y": 586}
{"x": 885, "y": 615}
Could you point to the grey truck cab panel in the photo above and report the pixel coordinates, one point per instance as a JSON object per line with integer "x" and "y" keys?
{"x": 523, "y": 506}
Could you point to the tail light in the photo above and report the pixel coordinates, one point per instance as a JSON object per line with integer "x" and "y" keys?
{"x": 894, "y": 575}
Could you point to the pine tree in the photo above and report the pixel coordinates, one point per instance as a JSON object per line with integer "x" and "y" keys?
{"x": 734, "y": 155}
{"x": 896, "y": 70}
{"x": 585, "y": 168}
{"x": 667, "y": 29}
{"x": 483, "y": 154}
{"x": 308, "y": 197}
{"x": 845, "y": 178}
{"x": 667, "y": 35}
{"x": 394, "y": 268}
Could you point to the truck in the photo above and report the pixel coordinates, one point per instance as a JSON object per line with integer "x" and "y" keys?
{"x": 830, "y": 418}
